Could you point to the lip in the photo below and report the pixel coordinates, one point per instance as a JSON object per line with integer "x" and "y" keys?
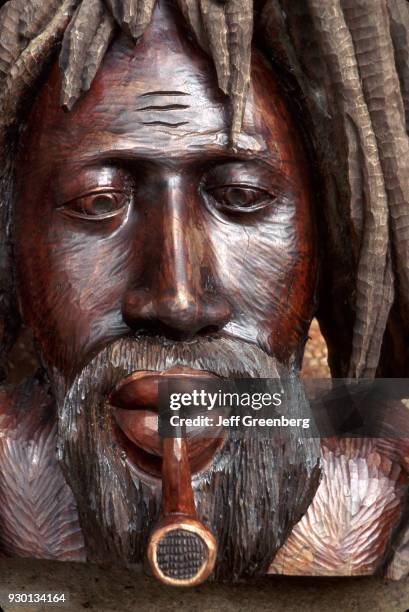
{"x": 134, "y": 401}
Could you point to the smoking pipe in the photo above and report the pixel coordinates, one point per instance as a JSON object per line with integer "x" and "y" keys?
{"x": 181, "y": 550}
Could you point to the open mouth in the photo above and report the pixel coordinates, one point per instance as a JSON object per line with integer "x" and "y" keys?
{"x": 135, "y": 409}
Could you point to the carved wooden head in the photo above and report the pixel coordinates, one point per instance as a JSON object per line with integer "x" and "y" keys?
{"x": 134, "y": 215}
{"x": 168, "y": 220}
{"x": 145, "y": 241}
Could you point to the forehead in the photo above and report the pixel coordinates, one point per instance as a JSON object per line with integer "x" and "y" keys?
{"x": 160, "y": 98}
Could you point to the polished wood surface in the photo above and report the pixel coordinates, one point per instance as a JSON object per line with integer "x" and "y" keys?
{"x": 178, "y": 522}
{"x": 178, "y": 512}
{"x": 150, "y": 222}
{"x": 136, "y": 217}
{"x": 171, "y": 199}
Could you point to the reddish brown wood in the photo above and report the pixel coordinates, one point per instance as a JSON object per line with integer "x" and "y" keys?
{"x": 152, "y": 225}
{"x": 179, "y": 524}
{"x": 177, "y": 494}
{"x": 142, "y": 240}
{"x": 38, "y": 515}
{"x": 241, "y": 271}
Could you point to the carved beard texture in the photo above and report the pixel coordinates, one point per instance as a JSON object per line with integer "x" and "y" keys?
{"x": 252, "y": 495}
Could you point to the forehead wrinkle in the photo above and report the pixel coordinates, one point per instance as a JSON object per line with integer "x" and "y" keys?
{"x": 166, "y": 112}
{"x": 163, "y": 93}
{"x": 162, "y": 100}
{"x": 164, "y": 107}
{"x": 131, "y": 115}
{"x": 119, "y": 138}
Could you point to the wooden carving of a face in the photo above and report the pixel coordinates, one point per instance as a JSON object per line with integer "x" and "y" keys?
{"x": 134, "y": 219}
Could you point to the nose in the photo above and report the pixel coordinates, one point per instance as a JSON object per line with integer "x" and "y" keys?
{"x": 179, "y": 297}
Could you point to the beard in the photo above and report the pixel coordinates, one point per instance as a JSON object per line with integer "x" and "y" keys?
{"x": 255, "y": 490}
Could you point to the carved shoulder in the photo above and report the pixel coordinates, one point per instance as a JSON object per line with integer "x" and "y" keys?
{"x": 38, "y": 515}
{"x": 349, "y": 527}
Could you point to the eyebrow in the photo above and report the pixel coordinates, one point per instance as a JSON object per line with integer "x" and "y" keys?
{"x": 223, "y": 155}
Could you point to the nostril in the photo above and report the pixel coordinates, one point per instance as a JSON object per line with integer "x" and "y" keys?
{"x": 208, "y": 330}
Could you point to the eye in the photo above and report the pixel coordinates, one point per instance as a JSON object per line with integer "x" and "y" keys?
{"x": 240, "y": 198}
{"x": 97, "y": 205}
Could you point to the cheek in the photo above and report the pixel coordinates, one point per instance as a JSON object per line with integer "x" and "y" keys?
{"x": 269, "y": 271}
{"x": 71, "y": 284}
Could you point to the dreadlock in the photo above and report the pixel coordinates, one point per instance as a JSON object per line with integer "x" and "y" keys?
{"x": 350, "y": 61}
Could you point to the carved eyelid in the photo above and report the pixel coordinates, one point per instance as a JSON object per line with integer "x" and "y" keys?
{"x": 243, "y": 186}
{"x": 256, "y": 175}
{"x": 69, "y": 211}
{"x": 262, "y": 199}
{"x": 259, "y": 193}
{"x": 94, "y": 191}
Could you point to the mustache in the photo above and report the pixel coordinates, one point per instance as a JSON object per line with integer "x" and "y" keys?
{"x": 221, "y": 355}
